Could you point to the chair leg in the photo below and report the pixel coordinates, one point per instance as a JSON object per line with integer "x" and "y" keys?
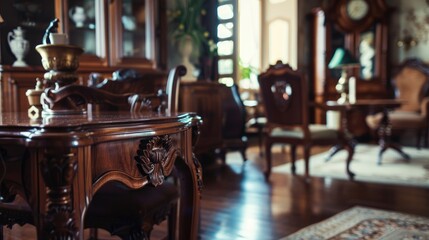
{"x": 293, "y": 158}
{"x": 261, "y": 136}
{"x": 268, "y": 159}
{"x": 307, "y": 160}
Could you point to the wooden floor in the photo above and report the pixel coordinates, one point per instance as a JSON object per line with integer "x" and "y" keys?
{"x": 237, "y": 203}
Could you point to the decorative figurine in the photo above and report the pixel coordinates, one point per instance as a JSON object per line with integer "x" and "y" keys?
{"x": 78, "y": 15}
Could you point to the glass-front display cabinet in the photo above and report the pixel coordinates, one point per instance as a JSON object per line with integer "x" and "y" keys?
{"x": 113, "y": 33}
{"x": 117, "y": 33}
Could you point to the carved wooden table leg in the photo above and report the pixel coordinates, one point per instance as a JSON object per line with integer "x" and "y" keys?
{"x": 347, "y": 143}
{"x": 58, "y": 170}
{"x": 350, "y": 147}
{"x": 385, "y": 141}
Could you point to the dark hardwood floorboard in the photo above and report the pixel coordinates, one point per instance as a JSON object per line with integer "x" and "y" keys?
{"x": 237, "y": 202}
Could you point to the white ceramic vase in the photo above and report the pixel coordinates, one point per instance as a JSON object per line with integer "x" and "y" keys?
{"x": 18, "y": 45}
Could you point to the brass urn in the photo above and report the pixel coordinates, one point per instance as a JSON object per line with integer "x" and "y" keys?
{"x": 61, "y": 62}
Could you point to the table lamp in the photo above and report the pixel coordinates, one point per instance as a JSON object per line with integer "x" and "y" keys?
{"x": 343, "y": 59}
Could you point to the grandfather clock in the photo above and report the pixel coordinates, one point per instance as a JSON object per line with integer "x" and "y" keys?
{"x": 361, "y": 26}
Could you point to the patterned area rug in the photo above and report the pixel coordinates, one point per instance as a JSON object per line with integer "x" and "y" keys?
{"x": 366, "y": 223}
{"x": 394, "y": 169}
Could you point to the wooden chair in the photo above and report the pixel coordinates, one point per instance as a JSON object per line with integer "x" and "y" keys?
{"x": 127, "y": 213}
{"x": 233, "y": 125}
{"x": 285, "y": 98}
{"x": 412, "y": 86}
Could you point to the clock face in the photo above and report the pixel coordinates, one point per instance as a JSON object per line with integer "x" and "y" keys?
{"x": 357, "y": 9}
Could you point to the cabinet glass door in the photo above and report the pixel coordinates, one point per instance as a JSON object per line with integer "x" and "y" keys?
{"x": 133, "y": 25}
{"x": 84, "y": 23}
{"x": 132, "y": 41}
{"x": 81, "y": 16}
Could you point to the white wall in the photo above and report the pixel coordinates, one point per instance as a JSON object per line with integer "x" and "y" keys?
{"x": 402, "y": 24}
{"x": 282, "y": 44}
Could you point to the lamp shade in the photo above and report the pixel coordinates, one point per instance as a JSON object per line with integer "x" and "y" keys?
{"x": 343, "y": 58}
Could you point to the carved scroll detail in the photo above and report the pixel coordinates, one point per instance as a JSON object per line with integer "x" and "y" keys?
{"x": 195, "y": 135}
{"x": 58, "y": 170}
{"x": 198, "y": 172}
{"x": 155, "y": 158}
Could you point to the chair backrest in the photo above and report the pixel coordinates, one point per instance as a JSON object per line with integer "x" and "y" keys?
{"x": 234, "y": 120}
{"x": 141, "y": 91}
{"x": 284, "y": 94}
{"x": 74, "y": 98}
{"x": 412, "y": 84}
{"x": 129, "y": 81}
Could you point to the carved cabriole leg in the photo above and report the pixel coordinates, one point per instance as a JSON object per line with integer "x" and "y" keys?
{"x": 58, "y": 168}
{"x": 191, "y": 187}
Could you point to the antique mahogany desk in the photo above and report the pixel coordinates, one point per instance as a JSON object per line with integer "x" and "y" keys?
{"x": 57, "y": 164}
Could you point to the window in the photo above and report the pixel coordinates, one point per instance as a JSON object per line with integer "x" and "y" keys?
{"x": 226, "y": 33}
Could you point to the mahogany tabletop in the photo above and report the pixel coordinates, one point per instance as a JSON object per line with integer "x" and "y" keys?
{"x": 21, "y": 119}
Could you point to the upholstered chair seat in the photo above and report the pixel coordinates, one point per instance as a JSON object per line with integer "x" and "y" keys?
{"x": 123, "y": 212}
{"x": 317, "y": 131}
{"x": 399, "y": 119}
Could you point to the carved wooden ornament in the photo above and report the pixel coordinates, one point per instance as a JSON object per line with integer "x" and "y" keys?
{"x": 155, "y": 158}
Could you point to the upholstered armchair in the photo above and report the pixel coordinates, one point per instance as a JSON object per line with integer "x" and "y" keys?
{"x": 412, "y": 87}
